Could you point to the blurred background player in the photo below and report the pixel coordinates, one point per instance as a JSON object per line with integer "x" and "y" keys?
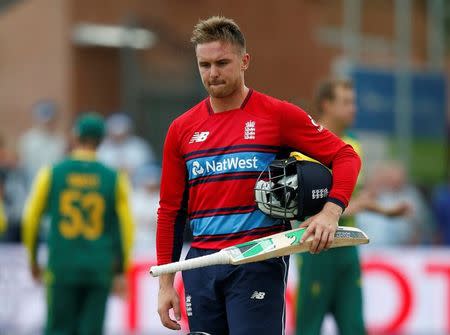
{"x": 3, "y": 220}
{"x": 42, "y": 144}
{"x": 441, "y": 211}
{"x": 330, "y": 282}
{"x": 13, "y": 192}
{"x": 90, "y": 235}
{"x": 144, "y": 204}
{"x": 6, "y": 161}
{"x": 121, "y": 148}
{"x": 390, "y": 186}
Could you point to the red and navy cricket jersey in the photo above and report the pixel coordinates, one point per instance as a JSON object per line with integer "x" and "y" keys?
{"x": 211, "y": 162}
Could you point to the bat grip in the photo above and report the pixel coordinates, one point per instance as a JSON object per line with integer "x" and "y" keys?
{"x": 188, "y": 264}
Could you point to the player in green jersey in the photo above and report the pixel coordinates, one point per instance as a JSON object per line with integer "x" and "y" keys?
{"x": 90, "y": 235}
{"x": 330, "y": 282}
{"x": 2, "y": 218}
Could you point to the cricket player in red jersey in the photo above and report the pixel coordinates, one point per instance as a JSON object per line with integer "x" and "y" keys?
{"x": 212, "y": 157}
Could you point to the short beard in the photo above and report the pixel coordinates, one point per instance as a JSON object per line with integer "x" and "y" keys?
{"x": 222, "y": 93}
{"x": 219, "y": 93}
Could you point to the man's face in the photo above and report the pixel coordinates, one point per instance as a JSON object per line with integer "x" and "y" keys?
{"x": 221, "y": 66}
{"x": 343, "y": 108}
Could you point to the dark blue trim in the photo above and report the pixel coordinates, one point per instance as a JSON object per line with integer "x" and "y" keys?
{"x": 223, "y": 177}
{"x": 244, "y": 103}
{"x": 337, "y": 202}
{"x": 225, "y": 237}
{"x": 247, "y": 98}
{"x": 269, "y": 148}
{"x": 240, "y": 173}
{"x": 209, "y": 107}
{"x": 222, "y": 211}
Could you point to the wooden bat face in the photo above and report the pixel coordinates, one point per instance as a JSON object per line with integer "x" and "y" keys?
{"x": 287, "y": 243}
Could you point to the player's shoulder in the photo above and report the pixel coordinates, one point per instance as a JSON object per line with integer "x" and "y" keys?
{"x": 90, "y": 165}
{"x": 267, "y": 105}
{"x": 192, "y": 115}
{"x": 61, "y": 164}
{"x": 267, "y": 100}
{"x": 106, "y": 168}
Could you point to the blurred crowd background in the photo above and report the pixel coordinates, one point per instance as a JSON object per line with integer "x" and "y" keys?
{"x": 132, "y": 62}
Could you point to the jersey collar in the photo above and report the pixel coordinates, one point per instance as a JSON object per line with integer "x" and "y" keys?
{"x": 83, "y": 154}
{"x": 244, "y": 103}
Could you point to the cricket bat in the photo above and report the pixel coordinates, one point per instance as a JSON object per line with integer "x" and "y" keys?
{"x": 276, "y": 245}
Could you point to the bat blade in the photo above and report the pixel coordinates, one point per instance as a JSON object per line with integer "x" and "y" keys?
{"x": 275, "y": 245}
{"x": 287, "y": 243}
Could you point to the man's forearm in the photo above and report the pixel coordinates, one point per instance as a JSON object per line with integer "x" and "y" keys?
{"x": 166, "y": 280}
{"x": 334, "y": 209}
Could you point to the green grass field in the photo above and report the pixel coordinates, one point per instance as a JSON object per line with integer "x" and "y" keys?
{"x": 429, "y": 161}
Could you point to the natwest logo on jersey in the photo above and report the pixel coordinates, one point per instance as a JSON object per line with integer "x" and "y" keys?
{"x": 222, "y": 164}
{"x": 226, "y": 165}
{"x": 197, "y": 169}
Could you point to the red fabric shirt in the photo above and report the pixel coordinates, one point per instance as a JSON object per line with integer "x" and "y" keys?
{"x": 211, "y": 163}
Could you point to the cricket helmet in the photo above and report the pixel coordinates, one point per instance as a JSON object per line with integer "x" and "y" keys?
{"x": 293, "y": 188}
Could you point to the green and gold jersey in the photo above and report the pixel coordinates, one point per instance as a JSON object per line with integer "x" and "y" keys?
{"x": 90, "y": 222}
{"x": 3, "y": 221}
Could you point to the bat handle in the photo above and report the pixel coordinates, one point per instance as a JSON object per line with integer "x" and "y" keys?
{"x": 220, "y": 257}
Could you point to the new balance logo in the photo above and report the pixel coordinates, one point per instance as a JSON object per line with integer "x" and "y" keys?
{"x": 258, "y": 295}
{"x": 320, "y": 193}
{"x": 199, "y": 136}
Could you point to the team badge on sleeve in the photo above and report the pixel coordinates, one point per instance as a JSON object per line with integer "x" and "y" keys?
{"x": 315, "y": 124}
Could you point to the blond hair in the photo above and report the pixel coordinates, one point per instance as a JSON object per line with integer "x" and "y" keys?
{"x": 218, "y": 28}
{"x": 327, "y": 92}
